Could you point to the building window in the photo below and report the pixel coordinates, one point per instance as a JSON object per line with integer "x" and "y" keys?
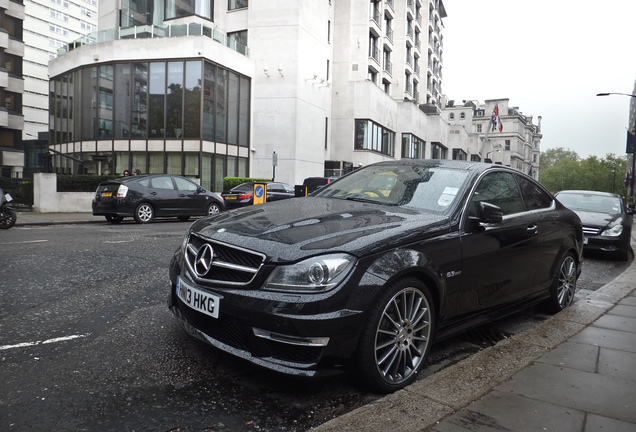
{"x": 58, "y": 29}
{"x": 478, "y": 128}
{"x": 236, "y": 4}
{"x": 178, "y": 9}
{"x": 451, "y": 116}
{"x": 459, "y": 154}
{"x": 462, "y": 116}
{"x": 372, "y": 136}
{"x": 507, "y": 145}
{"x": 58, "y": 15}
{"x": 238, "y": 41}
{"x": 63, "y": 3}
{"x": 412, "y": 147}
{"x": 328, "y": 31}
{"x": 438, "y": 151}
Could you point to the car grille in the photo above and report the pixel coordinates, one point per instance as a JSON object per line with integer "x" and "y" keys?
{"x": 227, "y": 264}
{"x": 591, "y": 231}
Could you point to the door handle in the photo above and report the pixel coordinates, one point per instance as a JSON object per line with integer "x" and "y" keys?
{"x": 153, "y": 193}
{"x": 533, "y": 229}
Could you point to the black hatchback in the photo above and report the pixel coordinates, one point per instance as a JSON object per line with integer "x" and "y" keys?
{"x": 147, "y": 197}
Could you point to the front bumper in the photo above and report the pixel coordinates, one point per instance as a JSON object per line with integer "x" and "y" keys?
{"x": 274, "y": 331}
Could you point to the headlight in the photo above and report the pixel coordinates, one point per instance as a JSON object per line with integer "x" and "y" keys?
{"x": 614, "y": 231}
{"x": 312, "y": 275}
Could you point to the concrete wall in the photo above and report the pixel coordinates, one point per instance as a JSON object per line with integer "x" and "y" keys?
{"x": 46, "y": 198}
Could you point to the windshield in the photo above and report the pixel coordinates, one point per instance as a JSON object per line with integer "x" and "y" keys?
{"x": 590, "y": 202}
{"x": 409, "y": 186}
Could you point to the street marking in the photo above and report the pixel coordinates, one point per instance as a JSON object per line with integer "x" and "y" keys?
{"x": 27, "y": 241}
{"x": 119, "y": 241}
{"x": 48, "y": 341}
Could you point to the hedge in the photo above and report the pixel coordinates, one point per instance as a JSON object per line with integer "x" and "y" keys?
{"x": 230, "y": 182}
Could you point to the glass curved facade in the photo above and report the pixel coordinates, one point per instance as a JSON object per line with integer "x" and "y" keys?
{"x": 178, "y": 101}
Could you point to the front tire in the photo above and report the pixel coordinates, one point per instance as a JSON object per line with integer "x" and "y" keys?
{"x": 563, "y": 285}
{"x": 144, "y": 213}
{"x": 397, "y": 337}
{"x": 8, "y": 218}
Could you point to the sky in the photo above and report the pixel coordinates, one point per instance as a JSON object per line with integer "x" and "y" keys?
{"x": 549, "y": 58}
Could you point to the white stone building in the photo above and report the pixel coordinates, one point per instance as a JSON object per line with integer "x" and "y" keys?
{"x": 48, "y": 26}
{"x": 11, "y": 88}
{"x": 471, "y": 136}
{"x": 210, "y": 89}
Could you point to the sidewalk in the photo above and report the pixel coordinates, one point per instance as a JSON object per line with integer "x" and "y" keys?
{"x": 574, "y": 372}
{"x": 33, "y": 218}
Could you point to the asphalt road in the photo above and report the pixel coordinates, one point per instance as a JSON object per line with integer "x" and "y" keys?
{"x": 87, "y": 343}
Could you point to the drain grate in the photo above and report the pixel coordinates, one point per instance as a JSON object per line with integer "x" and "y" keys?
{"x": 485, "y": 336}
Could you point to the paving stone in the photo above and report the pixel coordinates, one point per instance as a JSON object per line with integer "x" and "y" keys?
{"x": 603, "y": 337}
{"x": 573, "y": 355}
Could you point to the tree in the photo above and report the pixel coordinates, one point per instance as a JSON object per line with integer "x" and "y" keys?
{"x": 565, "y": 170}
{"x": 551, "y": 157}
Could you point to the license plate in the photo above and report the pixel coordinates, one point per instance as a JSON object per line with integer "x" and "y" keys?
{"x": 107, "y": 194}
{"x": 198, "y": 300}
{"x": 584, "y": 240}
{"x": 230, "y": 197}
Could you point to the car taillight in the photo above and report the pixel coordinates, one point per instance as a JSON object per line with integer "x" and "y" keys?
{"x": 245, "y": 196}
{"x": 122, "y": 191}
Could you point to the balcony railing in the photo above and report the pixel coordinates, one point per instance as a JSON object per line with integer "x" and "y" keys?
{"x": 153, "y": 31}
{"x": 388, "y": 67}
{"x": 389, "y": 33}
{"x": 374, "y": 53}
{"x": 374, "y": 13}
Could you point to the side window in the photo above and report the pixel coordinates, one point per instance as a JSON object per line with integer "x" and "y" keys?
{"x": 162, "y": 182}
{"x": 289, "y": 189}
{"x": 500, "y": 189}
{"x": 185, "y": 185}
{"x": 275, "y": 187}
{"x": 533, "y": 196}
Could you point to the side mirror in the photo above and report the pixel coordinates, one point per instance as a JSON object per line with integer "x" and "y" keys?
{"x": 200, "y": 189}
{"x": 489, "y": 213}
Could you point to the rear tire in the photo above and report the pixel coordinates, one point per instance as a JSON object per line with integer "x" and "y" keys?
{"x": 563, "y": 285}
{"x": 114, "y": 219}
{"x": 144, "y": 213}
{"x": 397, "y": 336}
{"x": 8, "y": 218}
{"x": 213, "y": 209}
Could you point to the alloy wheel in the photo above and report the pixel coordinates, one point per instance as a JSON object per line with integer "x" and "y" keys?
{"x": 566, "y": 284}
{"x": 403, "y": 335}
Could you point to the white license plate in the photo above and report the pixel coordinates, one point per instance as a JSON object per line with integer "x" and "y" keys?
{"x": 198, "y": 300}
{"x": 584, "y": 240}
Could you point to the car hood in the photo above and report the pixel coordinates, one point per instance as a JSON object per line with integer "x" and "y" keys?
{"x": 293, "y": 229}
{"x": 597, "y": 220}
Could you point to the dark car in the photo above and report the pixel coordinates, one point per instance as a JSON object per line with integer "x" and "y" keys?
{"x": 607, "y": 222}
{"x": 314, "y": 183}
{"x": 148, "y": 196}
{"x": 242, "y": 195}
{"x": 366, "y": 273}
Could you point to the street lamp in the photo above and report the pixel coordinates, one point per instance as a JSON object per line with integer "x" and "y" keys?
{"x": 633, "y": 149}
{"x": 488, "y": 160}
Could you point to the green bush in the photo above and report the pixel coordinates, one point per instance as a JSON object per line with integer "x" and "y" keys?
{"x": 81, "y": 182}
{"x": 230, "y": 182}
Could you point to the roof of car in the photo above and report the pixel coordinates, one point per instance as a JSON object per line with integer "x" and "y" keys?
{"x": 588, "y": 192}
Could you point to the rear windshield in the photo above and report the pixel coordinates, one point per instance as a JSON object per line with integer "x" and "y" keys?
{"x": 591, "y": 202}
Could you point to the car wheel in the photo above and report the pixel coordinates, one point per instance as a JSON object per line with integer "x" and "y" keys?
{"x": 213, "y": 209}
{"x": 114, "y": 219}
{"x": 563, "y": 285}
{"x": 397, "y": 337}
{"x": 144, "y": 213}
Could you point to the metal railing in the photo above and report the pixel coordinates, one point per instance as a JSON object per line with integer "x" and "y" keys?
{"x": 155, "y": 31}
